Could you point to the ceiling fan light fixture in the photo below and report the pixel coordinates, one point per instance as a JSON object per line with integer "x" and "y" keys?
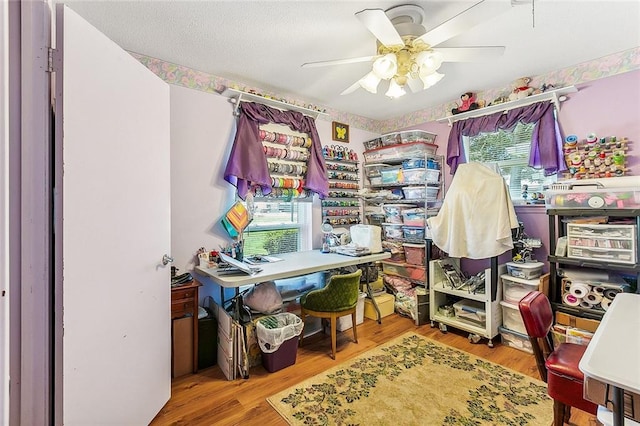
{"x": 386, "y": 66}
{"x": 429, "y": 61}
{"x": 395, "y": 90}
{"x": 370, "y": 82}
{"x": 431, "y": 79}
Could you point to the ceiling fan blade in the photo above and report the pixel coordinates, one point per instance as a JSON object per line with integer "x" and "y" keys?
{"x": 470, "y": 54}
{"x": 415, "y": 84}
{"x": 338, "y": 62}
{"x": 380, "y": 26}
{"x": 479, "y": 12}
{"x": 355, "y": 86}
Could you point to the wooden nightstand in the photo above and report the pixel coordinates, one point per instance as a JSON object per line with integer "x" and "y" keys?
{"x": 184, "y": 301}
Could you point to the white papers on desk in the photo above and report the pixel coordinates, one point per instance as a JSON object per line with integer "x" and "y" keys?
{"x": 260, "y": 259}
{"x": 352, "y": 250}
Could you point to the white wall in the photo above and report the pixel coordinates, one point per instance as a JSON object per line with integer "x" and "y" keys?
{"x": 202, "y": 132}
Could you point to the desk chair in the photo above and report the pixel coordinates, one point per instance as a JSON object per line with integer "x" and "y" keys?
{"x": 557, "y": 367}
{"x": 338, "y": 298}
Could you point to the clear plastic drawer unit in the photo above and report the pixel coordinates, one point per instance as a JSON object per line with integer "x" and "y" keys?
{"x": 606, "y": 243}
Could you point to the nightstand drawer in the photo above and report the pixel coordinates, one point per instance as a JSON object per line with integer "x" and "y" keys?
{"x": 185, "y": 293}
{"x": 182, "y": 307}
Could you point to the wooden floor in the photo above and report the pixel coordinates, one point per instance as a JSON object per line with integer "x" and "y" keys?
{"x": 207, "y": 398}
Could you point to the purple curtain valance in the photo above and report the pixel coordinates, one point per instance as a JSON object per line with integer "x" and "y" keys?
{"x": 247, "y": 163}
{"x": 546, "y": 142}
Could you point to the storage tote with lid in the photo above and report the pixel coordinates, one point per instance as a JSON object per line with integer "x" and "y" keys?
{"x": 526, "y": 270}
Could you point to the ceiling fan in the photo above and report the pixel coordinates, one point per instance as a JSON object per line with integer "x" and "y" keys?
{"x": 407, "y": 54}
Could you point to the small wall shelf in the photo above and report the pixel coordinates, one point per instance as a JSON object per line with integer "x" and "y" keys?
{"x": 237, "y": 96}
{"x": 556, "y": 96}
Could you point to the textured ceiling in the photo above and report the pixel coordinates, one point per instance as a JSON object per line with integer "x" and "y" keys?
{"x": 263, "y": 43}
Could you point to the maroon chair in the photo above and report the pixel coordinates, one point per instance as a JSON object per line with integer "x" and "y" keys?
{"x": 557, "y": 367}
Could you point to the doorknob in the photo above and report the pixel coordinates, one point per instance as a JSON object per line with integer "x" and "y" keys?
{"x": 166, "y": 259}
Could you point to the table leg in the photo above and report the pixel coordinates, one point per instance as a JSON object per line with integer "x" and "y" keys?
{"x": 370, "y": 294}
{"x": 618, "y": 406}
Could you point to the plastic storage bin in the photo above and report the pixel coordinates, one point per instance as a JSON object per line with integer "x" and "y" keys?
{"x": 415, "y": 253}
{"x": 392, "y": 230}
{"x": 403, "y": 151}
{"x": 514, "y": 288}
{"x": 414, "y": 163}
{"x": 283, "y": 357}
{"x": 391, "y": 175}
{"x": 511, "y": 318}
{"x": 600, "y": 198}
{"x": 528, "y": 271}
{"x": 414, "y": 192}
{"x": 414, "y": 176}
{"x": 413, "y": 233}
{"x": 415, "y": 273}
{"x": 515, "y": 340}
{"x": 414, "y": 217}
{"x": 471, "y": 311}
{"x": 393, "y": 212}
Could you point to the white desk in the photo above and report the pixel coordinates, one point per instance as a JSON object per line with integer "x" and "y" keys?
{"x": 291, "y": 265}
{"x": 613, "y": 355}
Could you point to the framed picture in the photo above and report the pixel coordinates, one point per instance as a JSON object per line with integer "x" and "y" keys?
{"x": 340, "y": 132}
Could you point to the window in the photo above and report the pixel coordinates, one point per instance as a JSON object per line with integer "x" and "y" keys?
{"x": 278, "y": 226}
{"x": 510, "y": 150}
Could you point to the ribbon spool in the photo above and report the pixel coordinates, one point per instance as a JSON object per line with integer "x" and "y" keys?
{"x": 610, "y": 293}
{"x": 605, "y": 303}
{"x": 598, "y": 289}
{"x": 579, "y": 290}
{"x": 571, "y": 140}
{"x": 585, "y": 304}
{"x": 570, "y": 300}
{"x": 593, "y": 298}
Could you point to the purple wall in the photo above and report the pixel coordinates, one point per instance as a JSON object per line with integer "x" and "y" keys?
{"x": 606, "y": 107}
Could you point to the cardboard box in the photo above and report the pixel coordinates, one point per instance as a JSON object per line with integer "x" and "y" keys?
{"x": 385, "y": 303}
{"x": 182, "y": 347}
{"x": 577, "y": 322}
{"x": 601, "y": 393}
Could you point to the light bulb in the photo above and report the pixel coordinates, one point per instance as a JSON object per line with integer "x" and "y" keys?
{"x": 386, "y": 66}
{"x": 429, "y": 62}
{"x": 370, "y": 82}
{"x": 431, "y": 79}
{"x": 395, "y": 90}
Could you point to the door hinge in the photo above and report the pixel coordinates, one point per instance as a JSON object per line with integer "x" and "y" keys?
{"x": 53, "y": 63}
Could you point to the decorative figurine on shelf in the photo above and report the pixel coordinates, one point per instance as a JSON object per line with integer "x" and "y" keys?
{"x": 521, "y": 89}
{"x": 468, "y": 103}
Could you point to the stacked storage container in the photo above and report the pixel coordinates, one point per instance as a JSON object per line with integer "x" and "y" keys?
{"x": 517, "y": 283}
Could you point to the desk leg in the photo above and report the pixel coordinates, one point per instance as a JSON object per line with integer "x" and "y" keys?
{"x": 373, "y": 299}
{"x": 618, "y": 406}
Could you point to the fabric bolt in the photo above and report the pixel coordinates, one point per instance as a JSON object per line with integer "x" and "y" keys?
{"x": 546, "y": 143}
{"x": 476, "y": 216}
{"x": 247, "y": 163}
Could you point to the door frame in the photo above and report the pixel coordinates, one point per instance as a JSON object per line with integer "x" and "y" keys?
{"x": 30, "y": 214}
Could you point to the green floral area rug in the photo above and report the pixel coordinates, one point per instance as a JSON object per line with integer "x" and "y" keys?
{"x": 413, "y": 380}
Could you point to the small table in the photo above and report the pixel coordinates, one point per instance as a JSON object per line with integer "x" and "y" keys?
{"x": 613, "y": 353}
{"x": 184, "y": 301}
{"x": 293, "y": 265}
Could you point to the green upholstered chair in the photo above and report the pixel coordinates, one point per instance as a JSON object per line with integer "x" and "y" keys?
{"x": 338, "y": 298}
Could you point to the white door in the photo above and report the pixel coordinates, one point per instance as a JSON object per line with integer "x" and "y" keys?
{"x": 113, "y": 343}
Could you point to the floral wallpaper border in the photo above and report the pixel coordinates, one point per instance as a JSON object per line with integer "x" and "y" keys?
{"x": 617, "y": 63}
